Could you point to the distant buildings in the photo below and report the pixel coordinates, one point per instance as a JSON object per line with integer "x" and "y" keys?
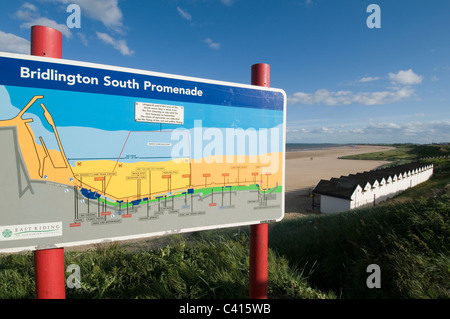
{"x": 369, "y": 188}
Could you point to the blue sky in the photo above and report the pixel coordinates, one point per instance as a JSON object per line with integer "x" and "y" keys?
{"x": 345, "y": 82}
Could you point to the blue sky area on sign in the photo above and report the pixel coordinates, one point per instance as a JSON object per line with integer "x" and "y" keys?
{"x": 115, "y": 113}
{"x": 98, "y": 126}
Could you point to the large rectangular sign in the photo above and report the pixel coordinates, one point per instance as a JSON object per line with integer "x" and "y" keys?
{"x": 93, "y": 152}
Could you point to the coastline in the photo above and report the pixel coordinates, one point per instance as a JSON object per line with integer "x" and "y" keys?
{"x": 305, "y": 168}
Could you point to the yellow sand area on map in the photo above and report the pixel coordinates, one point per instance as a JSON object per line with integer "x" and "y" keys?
{"x": 41, "y": 163}
{"x": 130, "y": 181}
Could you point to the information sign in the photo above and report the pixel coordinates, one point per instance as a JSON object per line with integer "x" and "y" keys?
{"x": 93, "y": 152}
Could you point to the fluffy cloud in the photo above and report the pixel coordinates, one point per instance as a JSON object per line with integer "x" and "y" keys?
{"x": 402, "y": 91}
{"x": 14, "y": 44}
{"x": 30, "y": 14}
{"x": 105, "y": 11}
{"x": 110, "y": 15}
{"x": 186, "y": 15}
{"x": 26, "y": 11}
{"x": 369, "y": 79}
{"x": 120, "y": 45}
{"x": 212, "y": 44}
{"x": 416, "y": 130}
{"x": 405, "y": 77}
{"x": 325, "y": 97}
{"x": 376, "y": 132}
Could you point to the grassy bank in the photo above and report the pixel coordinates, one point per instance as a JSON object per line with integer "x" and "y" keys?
{"x": 406, "y": 237}
{"x": 191, "y": 269}
{"x": 404, "y": 153}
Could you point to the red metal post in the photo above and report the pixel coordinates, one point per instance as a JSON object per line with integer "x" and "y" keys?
{"x": 258, "y": 261}
{"x": 259, "y": 233}
{"x": 261, "y": 74}
{"x": 46, "y": 42}
{"x": 49, "y": 273}
{"x": 48, "y": 263}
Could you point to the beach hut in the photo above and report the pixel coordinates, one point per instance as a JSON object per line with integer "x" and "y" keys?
{"x": 369, "y": 188}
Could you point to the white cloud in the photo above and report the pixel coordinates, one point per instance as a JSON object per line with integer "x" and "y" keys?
{"x": 30, "y": 14}
{"x": 401, "y": 91}
{"x": 325, "y": 97}
{"x": 376, "y": 132}
{"x": 120, "y": 45}
{"x": 420, "y": 131}
{"x": 369, "y": 79}
{"x": 186, "y": 15}
{"x": 324, "y": 130}
{"x": 383, "y": 126}
{"x": 48, "y": 23}
{"x": 14, "y": 44}
{"x": 27, "y": 11}
{"x": 212, "y": 44}
{"x": 105, "y": 11}
{"x": 407, "y": 77}
{"x": 83, "y": 38}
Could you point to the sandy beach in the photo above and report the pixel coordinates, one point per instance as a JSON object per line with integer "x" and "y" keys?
{"x": 304, "y": 169}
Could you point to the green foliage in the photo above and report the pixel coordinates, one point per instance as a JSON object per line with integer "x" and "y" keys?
{"x": 17, "y": 276}
{"x": 408, "y": 240}
{"x": 189, "y": 269}
{"x": 401, "y": 152}
{"x": 405, "y": 153}
{"x": 434, "y": 150}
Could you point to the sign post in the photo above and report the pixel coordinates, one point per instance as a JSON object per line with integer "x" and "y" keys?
{"x": 49, "y": 263}
{"x": 260, "y": 75}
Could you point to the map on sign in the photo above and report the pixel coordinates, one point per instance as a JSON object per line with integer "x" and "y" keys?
{"x": 93, "y": 153}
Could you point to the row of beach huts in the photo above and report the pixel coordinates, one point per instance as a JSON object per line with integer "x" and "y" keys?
{"x": 370, "y": 187}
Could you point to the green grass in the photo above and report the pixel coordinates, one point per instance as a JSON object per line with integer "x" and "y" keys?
{"x": 404, "y": 153}
{"x": 408, "y": 242}
{"x": 190, "y": 269}
{"x": 400, "y": 153}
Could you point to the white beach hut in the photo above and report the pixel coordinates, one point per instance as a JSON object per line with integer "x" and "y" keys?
{"x": 369, "y": 188}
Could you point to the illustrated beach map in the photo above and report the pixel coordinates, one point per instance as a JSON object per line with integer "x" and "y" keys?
{"x": 93, "y": 153}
